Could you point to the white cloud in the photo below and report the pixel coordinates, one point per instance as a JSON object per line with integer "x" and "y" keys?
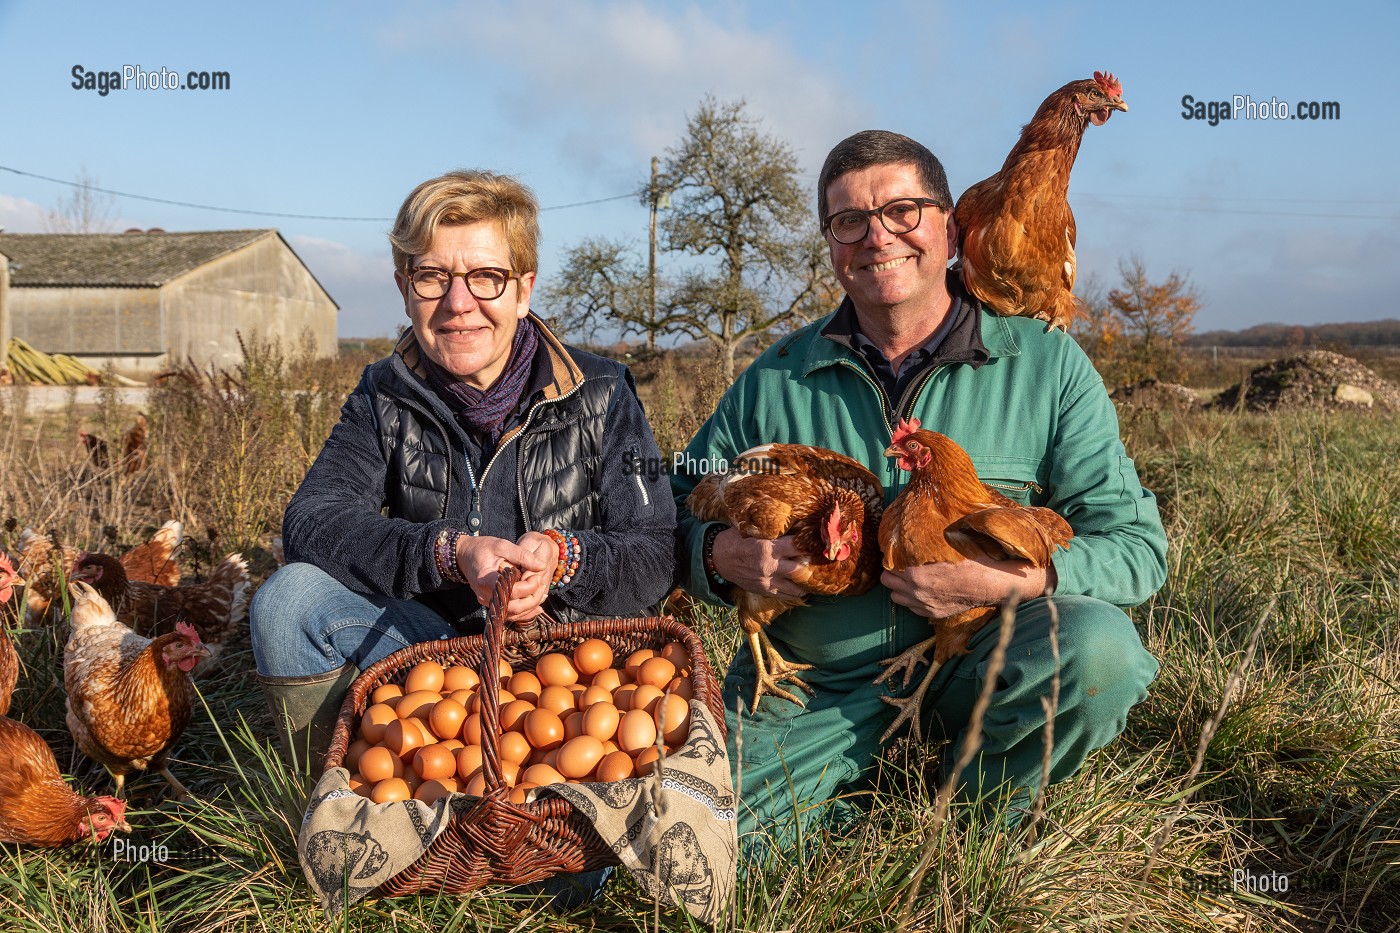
{"x": 631, "y": 73}
{"x": 361, "y": 283}
{"x": 18, "y": 215}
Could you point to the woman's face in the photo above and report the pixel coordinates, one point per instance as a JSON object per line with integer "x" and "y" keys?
{"x": 468, "y": 337}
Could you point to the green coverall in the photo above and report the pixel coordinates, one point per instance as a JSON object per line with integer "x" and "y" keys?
{"x": 1040, "y": 428}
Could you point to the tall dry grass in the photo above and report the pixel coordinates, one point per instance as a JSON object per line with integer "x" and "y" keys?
{"x": 1291, "y": 514}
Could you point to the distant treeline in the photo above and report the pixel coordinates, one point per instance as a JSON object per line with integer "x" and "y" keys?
{"x": 1357, "y": 334}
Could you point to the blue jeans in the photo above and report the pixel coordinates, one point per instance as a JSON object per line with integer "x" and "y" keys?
{"x": 304, "y": 622}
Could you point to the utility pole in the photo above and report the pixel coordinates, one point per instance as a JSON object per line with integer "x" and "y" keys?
{"x": 651, "y": 263}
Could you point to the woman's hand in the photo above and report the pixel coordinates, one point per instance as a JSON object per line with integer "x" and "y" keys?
{"x": 480, "y": 558}
{"x": 945, "y": 588}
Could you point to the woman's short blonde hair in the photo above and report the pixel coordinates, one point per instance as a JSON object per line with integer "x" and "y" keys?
{"x": 468, "y": 197}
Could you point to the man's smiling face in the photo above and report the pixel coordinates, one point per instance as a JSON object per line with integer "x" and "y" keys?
{"x": 885, "y": 271}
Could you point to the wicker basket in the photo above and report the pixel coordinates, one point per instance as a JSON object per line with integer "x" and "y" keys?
{"x": 491, "y": 840}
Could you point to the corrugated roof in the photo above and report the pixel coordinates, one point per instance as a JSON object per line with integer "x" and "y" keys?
{"x": 131, "y": 259}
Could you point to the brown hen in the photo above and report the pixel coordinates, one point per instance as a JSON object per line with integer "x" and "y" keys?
{"x": 215, "y": 606}
{"x": 947, "y": 514}
{"x": 152, "y": 562}
{"x": 9, "y": 658}
{"x": 1015, "y": 229}
{"x": 129, "y": 698}
{"x": 829, "y": 503}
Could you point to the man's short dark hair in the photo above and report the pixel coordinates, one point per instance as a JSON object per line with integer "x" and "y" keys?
{"x": 881, "y": 147}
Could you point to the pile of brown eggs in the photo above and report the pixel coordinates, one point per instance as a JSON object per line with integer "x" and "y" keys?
{"x": 572, "y": 720}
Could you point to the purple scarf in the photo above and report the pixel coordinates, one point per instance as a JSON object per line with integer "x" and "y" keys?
{"x": 484, "y": 412}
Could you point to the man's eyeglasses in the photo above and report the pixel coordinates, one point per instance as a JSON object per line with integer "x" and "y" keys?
{"x": 485, "y": 284}
{"x": 898, "y": 216}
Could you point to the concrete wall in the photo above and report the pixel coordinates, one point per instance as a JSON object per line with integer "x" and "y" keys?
{"x": 88, "y": 321}
{"x": 262, "y": 290}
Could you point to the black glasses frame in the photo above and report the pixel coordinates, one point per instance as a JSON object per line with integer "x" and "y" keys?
{"x": 879, "y": 212}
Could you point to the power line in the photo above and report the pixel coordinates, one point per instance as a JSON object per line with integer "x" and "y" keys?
{"x": 236, "y": 210}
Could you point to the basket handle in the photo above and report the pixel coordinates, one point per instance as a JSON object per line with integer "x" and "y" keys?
{"x": 491, "y": 680}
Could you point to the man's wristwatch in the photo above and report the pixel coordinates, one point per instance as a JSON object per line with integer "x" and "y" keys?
{"x": 707, "y": 554}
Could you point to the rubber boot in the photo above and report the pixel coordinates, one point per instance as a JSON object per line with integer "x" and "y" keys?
{"x": 304, "y": 710}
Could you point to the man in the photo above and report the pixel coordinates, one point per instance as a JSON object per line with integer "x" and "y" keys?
{"x": 909, "y": 342}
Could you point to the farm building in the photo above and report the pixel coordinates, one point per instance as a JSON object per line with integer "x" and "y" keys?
{"x": 147, "y": 301}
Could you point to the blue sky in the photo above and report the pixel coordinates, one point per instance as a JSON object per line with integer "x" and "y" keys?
{"x": 1289, "y": 221}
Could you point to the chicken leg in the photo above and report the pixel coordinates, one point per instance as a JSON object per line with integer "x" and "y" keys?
{"x": 910, "y": 705}
{"x": 777, "y": 668}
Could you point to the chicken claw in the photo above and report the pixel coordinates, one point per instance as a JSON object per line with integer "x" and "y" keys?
{"x": 909, "y": 708}
{"x": 905, "y": 663}
{"x": 777, "y": 668}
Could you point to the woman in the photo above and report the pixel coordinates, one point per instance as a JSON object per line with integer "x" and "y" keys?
{"x": 482, "y": 438}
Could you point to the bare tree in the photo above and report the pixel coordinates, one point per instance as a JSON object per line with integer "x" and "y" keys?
{"x": 84, "y": 210}
{"x": 1155, "y": 319}
{"x": 746, "y": 256}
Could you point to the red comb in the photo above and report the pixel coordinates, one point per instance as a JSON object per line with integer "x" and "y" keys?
{"x": 187, "y": 630}
{"x": 1108, "y": 83}
{"x": 5, "y": 564}
{"x": 904, "y": 429}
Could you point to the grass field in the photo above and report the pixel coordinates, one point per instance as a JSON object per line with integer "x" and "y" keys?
{"x": 1278, "y": 633}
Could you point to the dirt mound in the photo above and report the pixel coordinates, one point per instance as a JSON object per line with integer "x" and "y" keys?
{"x": 1151, "y": 393}
{"x": 1316, "y": 379}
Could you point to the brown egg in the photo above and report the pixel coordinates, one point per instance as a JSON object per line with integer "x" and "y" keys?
{"x": 359, "y": 785}
{"x": 636, "y": 731}
{"x": 615, "y": 766}
{"x": 558, "y": 700}
{"x": 452, "y": 745}
{"x": 446, "y": 718}
{"x": 600, "y": 721}
{"x": 609, "y": 746}
{"x": 656, "y": 671}
{"x": 476, "y": 785}
{"x": 402, "y": 738}
{"x": 609, "y": 678}
{"x": 622, "y": 696}
{"x": 646, "y": 696}
{"x": 520, "y": 791}
{"x": 676, "y": 712}
{"x": 458, "y": 677}
{"x": 594, "y": 694}
{"x": 434, "y": 762}
{"x": 353, "y": 753}
{"x": 384, "y": 692}
{"x": 555, "y": 669}
{"x": 505, "y": 670}
{"x": 430, "y": 792}
{"x": 540, "y": 775}
{"x": 463, "y": 696}
{"x": 573, "y": 725}
{"x": 418, "y": 704}
{"x": 514, "y": 747}
{"x": 468, "y": 761}
{"x": 525, "y": 686}
{"x": 634, "y": 661}
{"x": 411, "y": 778}
{"x": 514, "y": 713}
{"x": 471, "y": 729}
{"x": 426, "y": 675}
{"x": 378, "y": 764}
{"x": 544, "y": 729}
{"x": 510, "y": 773}
{"x": 579, "y": 756}
{"x": 592, "y": 656}
{"x": 676, "y": 653}
{"x": 390, "y": 789}
{"x": 544, "y": 756}
{"x": 646, "y": 760}
{"x": 682, "y": 686}
{"x": 373, "y": 722}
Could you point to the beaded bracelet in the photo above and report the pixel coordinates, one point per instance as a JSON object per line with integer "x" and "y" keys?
{"x": 707, "y": 558}
{"x": 445, "y": 554}
{"x": 570, "y": 556}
